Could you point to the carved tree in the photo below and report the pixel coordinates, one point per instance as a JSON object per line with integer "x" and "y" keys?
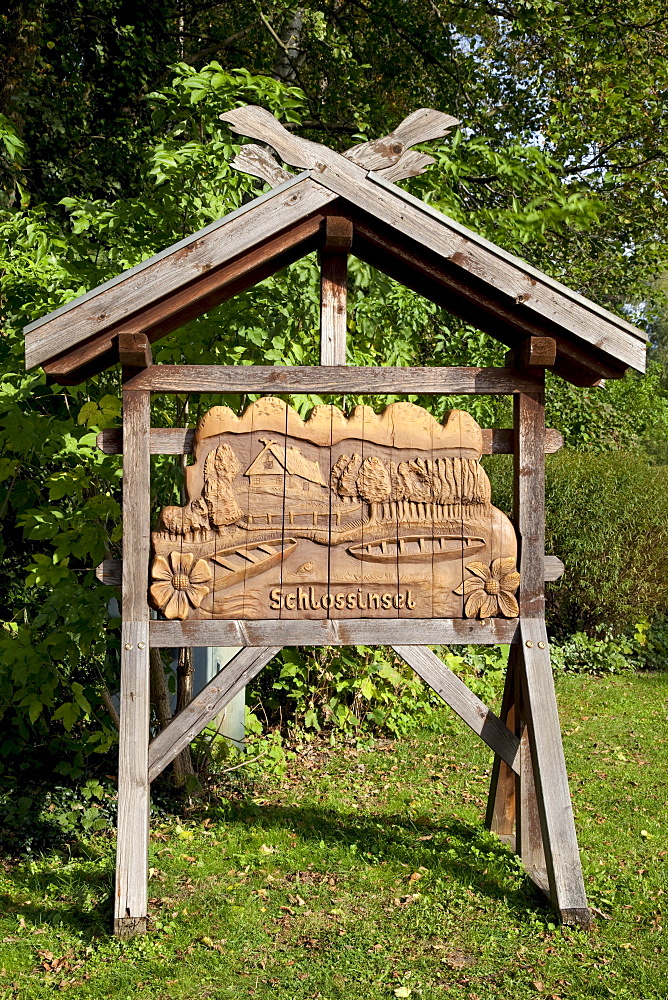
{"x": 337, "y": 472}
{"x": 220, "y": 469}
{"x": 373, "y": 483}
{"x": 348, "y": 478}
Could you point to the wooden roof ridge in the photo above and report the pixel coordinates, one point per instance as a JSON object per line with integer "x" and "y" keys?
{"x": 392, "y": 230}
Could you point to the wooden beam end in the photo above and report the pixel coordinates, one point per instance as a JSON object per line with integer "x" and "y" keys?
{"x": 127, "y": 927}
{"x": 338, "y": 234}
{"x": 533, "y": 352}
{"x": 134, "y": 350}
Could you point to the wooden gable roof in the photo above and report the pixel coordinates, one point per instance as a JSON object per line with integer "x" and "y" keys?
{"x": 393, "y": 231}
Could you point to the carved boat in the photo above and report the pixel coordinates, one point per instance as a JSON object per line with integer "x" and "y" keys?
{"x": 417, "y": 548}
{"x": 243, "y": 561}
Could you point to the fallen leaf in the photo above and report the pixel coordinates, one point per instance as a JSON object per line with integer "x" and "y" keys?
{"x": 403, "y": 991}
{"x": 537, "y": 985}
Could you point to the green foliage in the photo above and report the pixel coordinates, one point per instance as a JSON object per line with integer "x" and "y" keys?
{"x": 364, "y": 871}
{"x": 111, "y": 149}
{"x": 607, "y": 519}
{"x": 35, "y": 818}
{"x": 350, "y": 689}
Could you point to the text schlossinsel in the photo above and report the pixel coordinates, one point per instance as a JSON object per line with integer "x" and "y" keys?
{"x": 310, "y": 599}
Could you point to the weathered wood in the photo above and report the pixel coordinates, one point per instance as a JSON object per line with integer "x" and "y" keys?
{"x": 461, "y": 700}
{"x": 334, "y": 290}
{"x": 183, "y": 264}
{"x": 420, "y": 126}
{"x": 255, "y": 122}
{"x": 529, "y": 836}
{"x": 130, "y": 905}
{"x": 134, "y": 350}
{"x": 133, "y": 819}
{"x": 206, "y": 705}
{"x": 136, "y": 503}
{"x": 410, "y": 164}
{"x": 484, "y": 271}
{"x": 186, "y": 303}
{"x": 333, "y": 308}
{"x": 109, "y": 572}
{"x": 338, "y": 234}
{"x": 163, "y": 441}
{"x": 554, "y": 569}
{"x": 389, "y": 514}
{"x": 501, "y": 441}
{"x": 179, "y": 441}
{"x": 478, "y": 303}
{"x": 256, "y": 161}
{"x": 333, "y": 632}
{"x": 501, "y": 801}
{"x": 295, "y": 379}
{"x": 529, "y": 500}
{"x": 472, "y": 255}
{"x": 540, "y": 352}
{"x": 381, "y": 154}
{"x": 549, "y": 768}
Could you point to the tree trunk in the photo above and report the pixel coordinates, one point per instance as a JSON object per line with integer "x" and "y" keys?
{"x": 183, "y": 764}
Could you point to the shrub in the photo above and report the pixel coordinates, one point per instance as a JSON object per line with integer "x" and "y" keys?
{"x": 607, "y": 519}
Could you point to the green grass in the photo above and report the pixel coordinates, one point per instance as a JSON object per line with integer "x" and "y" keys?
{"x": 367, "y": 872}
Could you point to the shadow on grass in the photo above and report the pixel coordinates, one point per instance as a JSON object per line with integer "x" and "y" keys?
{"x": 465, "y": 855}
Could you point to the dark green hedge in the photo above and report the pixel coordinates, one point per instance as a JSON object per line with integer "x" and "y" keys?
{"x": 607, "y": 519}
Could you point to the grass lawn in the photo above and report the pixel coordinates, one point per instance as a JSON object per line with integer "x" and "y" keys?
{"x": 366, "y": 873}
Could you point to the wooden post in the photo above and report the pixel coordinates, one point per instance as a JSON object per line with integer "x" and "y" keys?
{"x": 500, "y": 817}
{"x": 334, "y": 290}
{"x": 130, "y": 910}
{"x": 552, "y": 795}
{"x": 529, "y": 499}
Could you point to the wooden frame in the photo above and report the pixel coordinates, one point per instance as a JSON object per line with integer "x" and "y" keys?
{"x": 526, "y": 754}
{"x": 340, "y": 204}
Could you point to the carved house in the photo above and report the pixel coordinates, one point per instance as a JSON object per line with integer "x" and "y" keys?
{"x": 282, "y": 470}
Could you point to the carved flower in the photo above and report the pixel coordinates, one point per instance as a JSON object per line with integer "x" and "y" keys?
{"x": 179, "y": 583}
{"x": 491, "y": 589}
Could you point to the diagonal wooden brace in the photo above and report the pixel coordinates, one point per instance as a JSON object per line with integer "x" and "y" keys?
{"x": 211, "y": 700}
{"x": 461, "y": 700}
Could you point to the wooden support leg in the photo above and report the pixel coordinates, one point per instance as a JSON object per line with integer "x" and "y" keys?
{"x": 130, "y": 911}
{"x": 133, "y": 786}
{"x": 529, "y": 838}
{"x": 552, "y": 795}
{"x": 500, "y": 817}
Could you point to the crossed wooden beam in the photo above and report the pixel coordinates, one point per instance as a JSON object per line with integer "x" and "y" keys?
{"x": 390, "y": 156}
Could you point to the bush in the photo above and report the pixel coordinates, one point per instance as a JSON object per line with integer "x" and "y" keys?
{"x": 607, "y": 519}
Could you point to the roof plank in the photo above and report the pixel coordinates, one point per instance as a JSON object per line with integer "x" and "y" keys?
{"x": 393, "y": 230}
{"x": 168, "y": 272}
{"x": 532, "y": 291}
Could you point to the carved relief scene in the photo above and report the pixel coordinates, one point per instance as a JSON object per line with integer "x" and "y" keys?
{"x": 372, "y": 515}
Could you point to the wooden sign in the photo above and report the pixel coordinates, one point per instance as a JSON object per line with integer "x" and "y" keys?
{"x": 374, "y": 515}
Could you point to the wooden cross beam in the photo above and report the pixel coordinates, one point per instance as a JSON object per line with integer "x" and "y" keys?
{"x": 390, "y": 156}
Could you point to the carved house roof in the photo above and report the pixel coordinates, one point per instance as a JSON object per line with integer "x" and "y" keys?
{"x": 393, "y": 231}
{"x": 293, "y": 462}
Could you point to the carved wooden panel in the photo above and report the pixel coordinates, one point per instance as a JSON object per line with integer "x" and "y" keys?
{"x": 374, "y": 515}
